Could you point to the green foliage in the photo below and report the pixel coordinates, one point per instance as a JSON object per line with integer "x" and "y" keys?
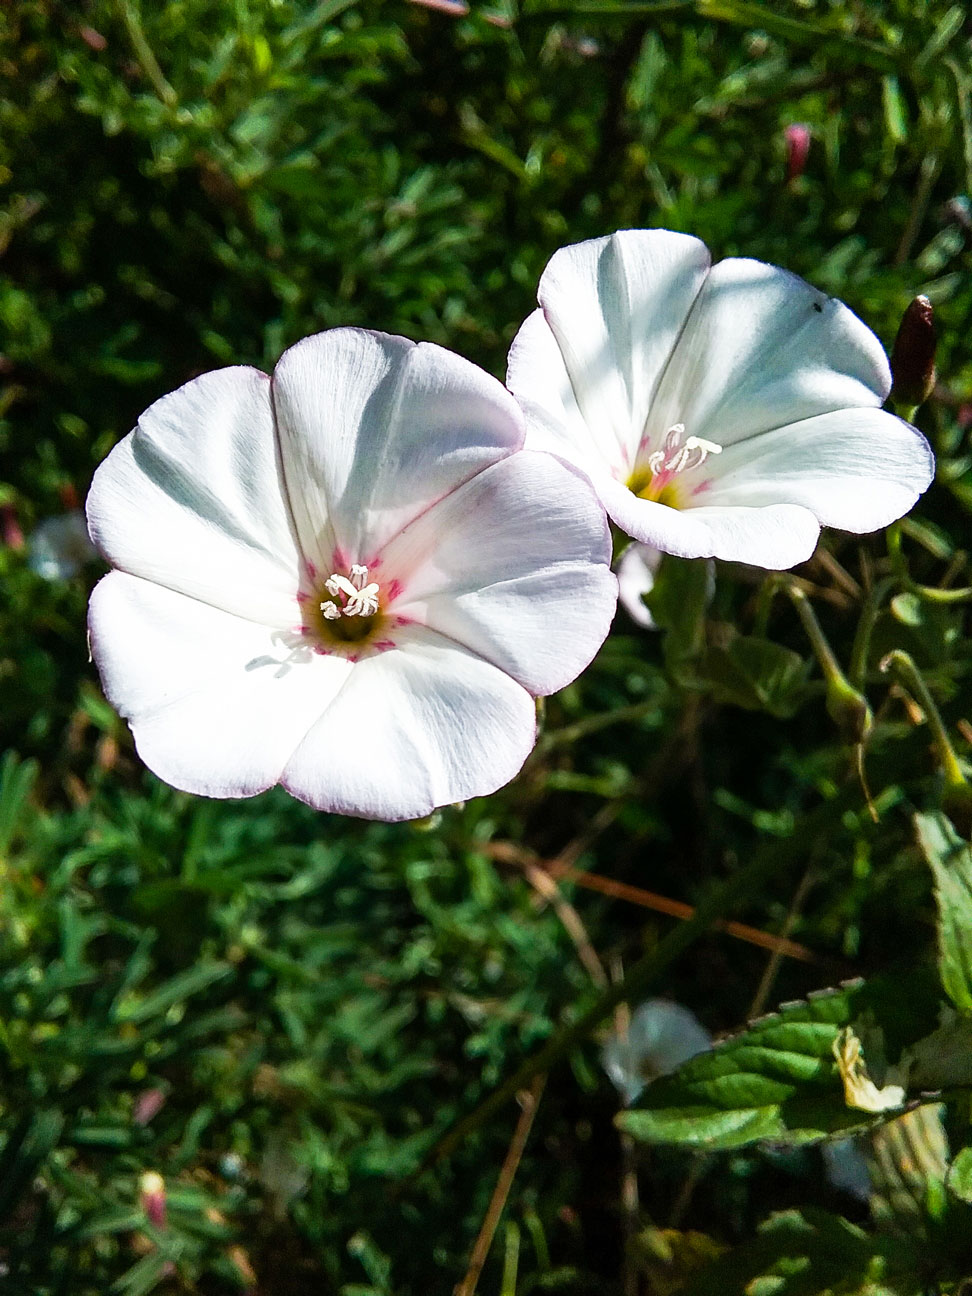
{"x": 950, "y": 860}
{"x": 778, "y": 1080}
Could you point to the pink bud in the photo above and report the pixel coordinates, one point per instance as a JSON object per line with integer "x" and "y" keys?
{"x": 151, "y": 1191}
{"x": 457, "y": 8}
{"x": 797, "y": 140}
{"x": 13, "y": 537}
{"x": 93, "y": 39}
{"x": 148, "y": 1105}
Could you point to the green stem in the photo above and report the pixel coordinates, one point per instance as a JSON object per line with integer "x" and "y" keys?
{"x": 903, "y": 667}
{"x": 143, "y": 52}
{"x": 927, "y": 592}
{"x": 591, "y": 724}
{"x": 846, "y": 705}
{"x": 822, "y": 649}
{"x": 857, "y": 671}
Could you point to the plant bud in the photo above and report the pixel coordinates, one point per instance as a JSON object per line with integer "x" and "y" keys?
{"x": 913, "y": 355}
{"x": 151, "y": 1191}
{"x": 849, "y": 710}
{"x": 796, "y": 137}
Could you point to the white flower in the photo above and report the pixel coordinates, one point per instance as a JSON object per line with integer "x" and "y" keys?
{"x": 349, "y": 579}
{"x": 660, "y": 1037}
{"x": 721, "y": 411}
{"x": 636, "y": 577}
{"x": 59, "y": 546}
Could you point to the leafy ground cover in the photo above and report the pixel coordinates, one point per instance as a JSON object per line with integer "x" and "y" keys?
{"x": 314, "y": 1030}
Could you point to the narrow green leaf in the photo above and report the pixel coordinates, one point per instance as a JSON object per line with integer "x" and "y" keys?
{"x": 950, "y": 860}
{"x": 180, "y": 987}
{"x": 895, "y": 115}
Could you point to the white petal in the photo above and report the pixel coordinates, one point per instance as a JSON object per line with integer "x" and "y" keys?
{"x": 216, "y": 704}
{"x": 777, "y": 536}
{"x": 193, "y": 499}
{"x": 513, "y": 565}
{"x": 636, "y": 577}
{"x": 420, "y": 726}
{"x": 857, "y": 469}
{"x": 615, "y": 307}
{"x": 373, "y": 429}
{"x": 761, "y": 348}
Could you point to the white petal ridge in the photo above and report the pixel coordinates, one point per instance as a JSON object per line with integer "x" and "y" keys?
{"x": 413, "y": 729}
{"x": 217, "y": 704}
{"x": 193, "y": 499}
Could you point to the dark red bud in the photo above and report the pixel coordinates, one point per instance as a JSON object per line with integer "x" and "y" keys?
{"x": 797, "y": 140}
{"x": 913, "y": 355}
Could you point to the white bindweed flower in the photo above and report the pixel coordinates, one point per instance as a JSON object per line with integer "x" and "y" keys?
{"x": 59, "y": 547}
{"x": 348, "y": 578}
{"x": 636, "y": 570}
{"x": 660, "y": 1037}
{"x": 721, "y": 411}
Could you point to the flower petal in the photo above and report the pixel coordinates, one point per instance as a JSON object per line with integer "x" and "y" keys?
{"x": 420, "y": 726}
{"x": 858, "y": 469}
{"x": 216, "y": 703}
{"x": 636, "y": 577}
{"x": 373, "y": 429}
{"x": 514, "y": 566}
{"x": 615, "y": 307}
{"x": 193, "y": 499}
{"x": 777, "y": 536}
{"x": 760, "y": 349}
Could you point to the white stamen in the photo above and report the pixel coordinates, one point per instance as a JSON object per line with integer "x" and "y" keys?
{"x": 675, "y": 457}
{"x": 352, "y": 597}
{"x": 364, "y": 603}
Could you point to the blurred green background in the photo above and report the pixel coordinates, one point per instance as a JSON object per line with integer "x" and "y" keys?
{"x": 278, "y": 1011}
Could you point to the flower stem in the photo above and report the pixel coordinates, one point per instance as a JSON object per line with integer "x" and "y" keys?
{"x": 846, "y": 705}
{"x": 143, "y": 52}
{"x": 929, "y": 593}
{"x": 903, "y": 667}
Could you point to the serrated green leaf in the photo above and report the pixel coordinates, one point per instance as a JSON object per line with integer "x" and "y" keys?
{"x": 778, "y": 1079}
{"x": 950, "y": 860}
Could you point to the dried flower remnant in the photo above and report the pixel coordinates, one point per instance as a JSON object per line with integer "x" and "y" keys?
{"x": 723, "y": 410}
{"x": 364, "y": 583}
{"x": 860, "y": 1091}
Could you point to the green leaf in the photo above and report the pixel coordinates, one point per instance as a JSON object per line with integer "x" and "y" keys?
{"x": 756, "y": 674}
{"x": 677, "y": 601}
{"x": 132, "y": 1008}
{"x": 959, "y": 1177}
{"x": 778, "y": 1079}
{"x": 950, "y": 860}
{"x": 806, "y": 1253}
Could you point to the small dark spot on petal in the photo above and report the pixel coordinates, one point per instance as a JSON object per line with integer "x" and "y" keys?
{"x": 817, "y": 306}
